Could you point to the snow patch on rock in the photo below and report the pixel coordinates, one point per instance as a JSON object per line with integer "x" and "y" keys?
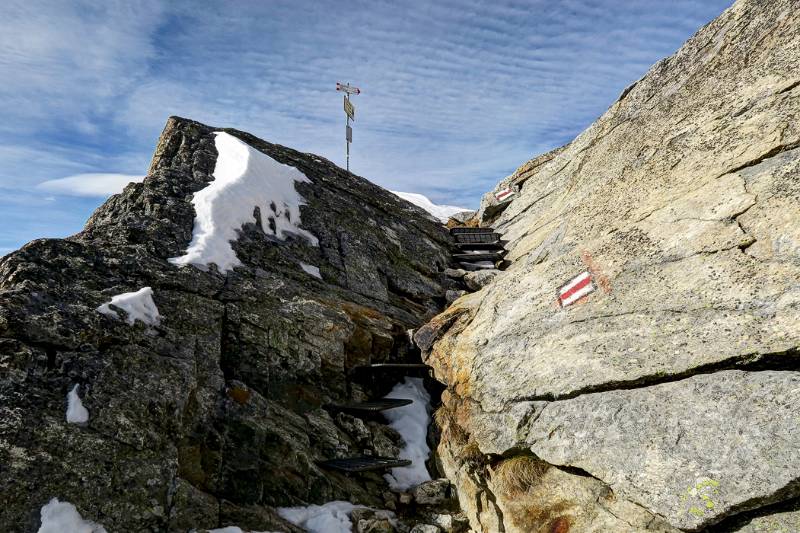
{"x": 311, "y": 269}
{"x": 331, "y": 517}
{"x": 139, "y": 305}
{"x": 411, "y": 421}
{"x": 63, "y": 517}
{"x": 76, "y": 412}
{"x": 442, "y": 212}
{"x": 244, "y": 179}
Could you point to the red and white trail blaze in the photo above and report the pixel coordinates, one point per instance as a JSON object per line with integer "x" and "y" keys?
{"x": 504, "y": 194}
{"x": 575, "y": 289}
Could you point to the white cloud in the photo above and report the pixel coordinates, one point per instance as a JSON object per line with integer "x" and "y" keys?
{"x": 456, "y": 93}
{"x": 92, "y": 184}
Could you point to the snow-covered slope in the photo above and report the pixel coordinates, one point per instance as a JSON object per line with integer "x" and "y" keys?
{"x": 411, "y": 422}
{"x": 442, "y": 212}
{"x": 243, "y": 178}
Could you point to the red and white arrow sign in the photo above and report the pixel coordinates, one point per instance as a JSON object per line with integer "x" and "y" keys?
{"x": 504, "y": 193}
{"x": 575, "y": 289}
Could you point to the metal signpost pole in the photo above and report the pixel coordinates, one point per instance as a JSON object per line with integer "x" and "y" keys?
{"x": 346, "y": 127}
{"x": 350, "y": 114}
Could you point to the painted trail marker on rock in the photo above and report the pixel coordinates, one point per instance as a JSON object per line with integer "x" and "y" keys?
{"x": 504, "y": 194}
{"x": 575, "y": 289}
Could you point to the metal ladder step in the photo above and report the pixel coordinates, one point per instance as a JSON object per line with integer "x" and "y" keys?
{"x": 363, "y": 464}
{"x": 369, "y": 407}
{"x": 457, "y": 231}
{"x": 486, "y": 256}
{"x": 477, "y": 237}
{"x": 494, "y": 245}
{"x": 472, "y": 267}
{"x": 392, "y": 366}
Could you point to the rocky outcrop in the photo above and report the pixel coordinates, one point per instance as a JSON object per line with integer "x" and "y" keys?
{"x": 211, "y": 415}
{"x": 663, "y": 400}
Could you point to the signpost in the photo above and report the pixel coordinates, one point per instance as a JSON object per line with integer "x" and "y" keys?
{"x": 350, "y": 111}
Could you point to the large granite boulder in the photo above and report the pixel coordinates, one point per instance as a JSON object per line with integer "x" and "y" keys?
{"x": 213, "y": 414}
{"x": 672, "y": 389}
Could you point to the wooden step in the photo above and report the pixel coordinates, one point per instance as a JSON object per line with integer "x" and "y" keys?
{"x": 369, "y": 407}
{"x": 486, "y": 256}
{"x": 477, "y": 237}
{"x": 363, "y": 464}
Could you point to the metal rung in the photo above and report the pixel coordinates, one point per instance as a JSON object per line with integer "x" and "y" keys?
{"x": 459, "y": 231}
{"x": 491, "y": 256}
{"x": 494, "y": 245}
{"x": 477, "y": 237}
{"x": 363, "y": 464}
{"x": 377, "y": 367}
{"x": 414, "y": 369}
{"x": 370, "y": 407}
{"x": 393, "y": 366}
{"x": 471, "y": 267}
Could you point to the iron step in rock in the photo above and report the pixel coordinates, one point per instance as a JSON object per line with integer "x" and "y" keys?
{"x": 393, "y": 366}
{"x": 363, "y": 464}
{"x": 472, "y": 267}
{"x": 487, "y": 256}
{"x": 494, "y": 245}
{"x": 369, "y": 407}
{"x": 400, "y": 369}
{"x": 476, "y": 237}
{"x": 456, "y": 231}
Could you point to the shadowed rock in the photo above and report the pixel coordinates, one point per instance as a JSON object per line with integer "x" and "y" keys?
{"x": 215, "y": 415}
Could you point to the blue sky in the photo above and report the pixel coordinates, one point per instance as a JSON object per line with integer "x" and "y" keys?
{"x": 456, "y": 94}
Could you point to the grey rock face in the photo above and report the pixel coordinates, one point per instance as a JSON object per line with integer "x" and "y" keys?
{"x": 213, "y": 416}
{"x": 433, "y": 492}
{"x": 455, "y": 273}
{"x": 479, "y": 279}
{"x": 463, "y": 217}
{"x": 453, "y": 295}
{"x": 425, "y": 528}
{"x": 650, "y": 445}
{"x": 682, "y": 204}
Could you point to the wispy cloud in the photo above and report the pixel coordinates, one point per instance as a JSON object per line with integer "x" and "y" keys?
{"x": 456, "y": 94}
{"x": 98, "y": 185}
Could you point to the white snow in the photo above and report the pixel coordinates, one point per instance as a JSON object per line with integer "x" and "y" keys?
{"x": 331, "y": 517}
{"x": 442, "y": 212}
{"x": 139, "y": 305}
{"x": 63, "y": 517}
{"x": 411, "y": 421}
{"x": 311, "y": 269}
{"x": 244, "y": 178}
{"x": 76, "y": 412}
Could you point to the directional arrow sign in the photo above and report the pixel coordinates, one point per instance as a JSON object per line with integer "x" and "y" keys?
{"x": 349, "y": 109}
{"x": 346, "y": 87}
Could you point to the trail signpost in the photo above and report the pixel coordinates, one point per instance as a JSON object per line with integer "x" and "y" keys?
{"x": 350, "y": 112}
